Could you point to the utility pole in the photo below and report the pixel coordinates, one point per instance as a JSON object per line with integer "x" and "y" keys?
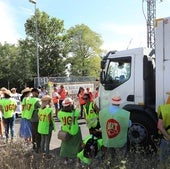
{"x": 151, "y": 16}
{"x": 36, "y": 34}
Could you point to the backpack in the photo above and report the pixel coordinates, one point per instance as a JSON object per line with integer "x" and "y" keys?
{"x": 91, "y": 148}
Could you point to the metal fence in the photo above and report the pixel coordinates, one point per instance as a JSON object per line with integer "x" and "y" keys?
{"x": 71, "y": 79}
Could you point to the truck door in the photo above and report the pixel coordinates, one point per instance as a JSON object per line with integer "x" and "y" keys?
{"x": 118, "y": 78}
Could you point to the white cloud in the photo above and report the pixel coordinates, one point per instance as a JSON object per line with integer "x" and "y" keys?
{"x": 8, "y": 32}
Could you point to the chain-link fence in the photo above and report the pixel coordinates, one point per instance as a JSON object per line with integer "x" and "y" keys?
{"x": 44, "y": 80}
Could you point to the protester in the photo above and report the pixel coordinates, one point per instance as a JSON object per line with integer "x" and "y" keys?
{"x": 56, "y": 97}
{"x": 2, "y": 122}
{"x": 164, "y": 128}
{"x": 3, "y": 89}
{"x": 46, "y": 125}
{"x": 80, "y": 95}
{"x": 96, "y": 94}
{"x": 90, "y": 93}
{"x": 25, "y": 126}
{"x": 93, "y": 143}
{"x": 42, "y": 92}
{"x": 114, "y": 123}
{"x": 69, "y": 123}
{"x": 55, "y": 86}
{"x": 91, "y": 112}
{"x": 63, "y": 93}
{"x": 8, "y": 107}
{"x": 1, "y": 126}
{"x": 168, "y": 99}
{"x": 17, "y": 97}
{"x": 91, "y": 148}
{"x": 36, "y": 137}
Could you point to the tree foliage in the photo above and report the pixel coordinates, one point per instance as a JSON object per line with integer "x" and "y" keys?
{"x": 84, "y": 50}
{"x": 50, "y": 43}
{"x": 75, "y": 51}
{"x": 15, "y": 66}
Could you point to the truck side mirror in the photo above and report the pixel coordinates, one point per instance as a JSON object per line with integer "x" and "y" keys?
{"x": 103, "y": 64}
{"x": 102, "y": 77}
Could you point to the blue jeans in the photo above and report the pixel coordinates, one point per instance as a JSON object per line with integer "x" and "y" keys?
{"x": 9, "y": 124}
{"x": 164, "y": 150}
{"x": 45, "y": 142}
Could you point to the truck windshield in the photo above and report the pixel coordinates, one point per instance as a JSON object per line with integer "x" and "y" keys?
{"x": 118, "y": 71}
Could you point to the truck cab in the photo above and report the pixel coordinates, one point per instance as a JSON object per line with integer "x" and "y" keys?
{"x": 127, "y": 72}
{"x": 131, "y": 73}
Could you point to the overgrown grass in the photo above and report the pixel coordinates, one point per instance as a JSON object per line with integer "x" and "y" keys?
{"x": 18, "y": 156}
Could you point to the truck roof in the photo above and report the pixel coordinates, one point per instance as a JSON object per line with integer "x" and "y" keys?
{"x": 127, "y": 52}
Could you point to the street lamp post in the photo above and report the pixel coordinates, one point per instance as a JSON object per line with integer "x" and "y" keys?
{"x": 36, "y": 34}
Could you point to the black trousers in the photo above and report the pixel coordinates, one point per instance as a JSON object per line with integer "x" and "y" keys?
{"x": 36, "y": 137}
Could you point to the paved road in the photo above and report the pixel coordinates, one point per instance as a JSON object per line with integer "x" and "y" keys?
{"x": 55, "y": 142}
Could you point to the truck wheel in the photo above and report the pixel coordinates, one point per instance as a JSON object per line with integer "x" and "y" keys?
{"x": 141, "y": 132}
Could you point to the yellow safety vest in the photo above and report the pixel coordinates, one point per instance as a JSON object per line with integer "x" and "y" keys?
{"x": 8, "y": 106}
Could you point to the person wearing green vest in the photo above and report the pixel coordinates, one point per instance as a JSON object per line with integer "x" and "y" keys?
{"x": 2, "y": 122}
{"x": 164, "y": 128}
{"x": 91, "y": 115}
{"x": 68, "y": 117}
{"x": 36, "y": 137}
{"x": 8, "y": 107}
{"x": 25, "y": 126}
{"x": 90, "y": 149}
{"x": 115, "y": 122}
{"x": 46, "y": 124}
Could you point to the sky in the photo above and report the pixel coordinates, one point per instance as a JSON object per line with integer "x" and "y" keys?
{"x": 120, "y": 23}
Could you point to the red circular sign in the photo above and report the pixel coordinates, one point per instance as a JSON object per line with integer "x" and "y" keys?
{"x": 112, "y": 128}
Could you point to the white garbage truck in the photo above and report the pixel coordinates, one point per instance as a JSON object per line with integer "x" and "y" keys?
{"x": 142, "y": 77}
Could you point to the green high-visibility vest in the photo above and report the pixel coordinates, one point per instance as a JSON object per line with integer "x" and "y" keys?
{"x": 90, "y": 115}
{"x": 28, "y": 107}
{"x": 8, "y": 106}
{"x": 44, "y": 120}
{"x": 69, "y": 122}
{"x": 165, "y": 112}
{"x": 114, "y": 127}
{"x": 81, "y": 156}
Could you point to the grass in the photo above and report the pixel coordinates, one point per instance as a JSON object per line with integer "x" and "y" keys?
{"x": 18, "y": 156}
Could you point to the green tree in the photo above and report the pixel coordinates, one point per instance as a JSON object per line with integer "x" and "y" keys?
{"x": 50, "y": 44}
{"x": 76, "y": 51}
{"x": 8, "y": 54}
{"x": 25, "y": 63}
{"x": 5, "y": 57}
{"x": 83, "y": 46}
{"x": 14, "y": 69}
